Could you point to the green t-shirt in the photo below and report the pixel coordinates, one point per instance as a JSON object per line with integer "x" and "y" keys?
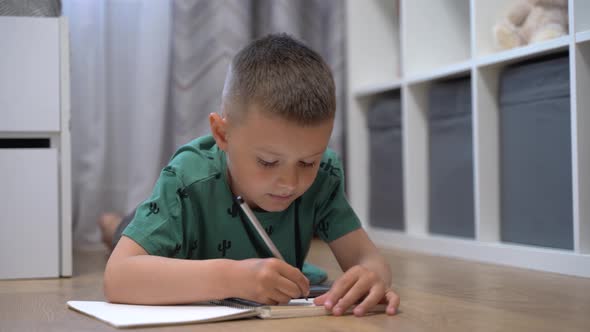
{"x": 191, "y": 213}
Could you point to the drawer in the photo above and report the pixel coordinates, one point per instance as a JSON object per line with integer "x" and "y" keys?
{"x": 29, "y": 74}
{"x": 29, "y": 227}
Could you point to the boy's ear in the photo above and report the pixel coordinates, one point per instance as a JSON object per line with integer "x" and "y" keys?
{"x": 219, "y": 128}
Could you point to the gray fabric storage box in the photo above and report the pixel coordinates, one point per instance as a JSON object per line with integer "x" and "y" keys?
{"x": 535, "y": 142}
{"x": 451, "y": 198}
{"x": 386, "y": 179}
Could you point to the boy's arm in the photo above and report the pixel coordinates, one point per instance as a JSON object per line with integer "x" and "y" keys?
{"x": 367, "y": 275}
{"x": 134, "y": 276}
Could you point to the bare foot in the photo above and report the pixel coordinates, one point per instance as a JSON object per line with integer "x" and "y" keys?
{"x": 108, "y": 223}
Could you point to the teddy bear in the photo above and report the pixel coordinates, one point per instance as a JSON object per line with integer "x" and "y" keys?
{"x": 530, "y": 21}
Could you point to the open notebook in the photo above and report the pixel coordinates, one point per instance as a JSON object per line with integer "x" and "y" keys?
{"x": 126, "y": 315}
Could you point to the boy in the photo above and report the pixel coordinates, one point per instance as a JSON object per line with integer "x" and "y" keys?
{"x": 190, "y": 242}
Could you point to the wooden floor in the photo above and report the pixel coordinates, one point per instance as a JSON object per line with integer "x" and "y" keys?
{"x": 438, "y": 294}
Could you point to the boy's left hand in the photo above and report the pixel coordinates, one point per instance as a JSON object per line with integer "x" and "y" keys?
{"x": 355, "y": 284}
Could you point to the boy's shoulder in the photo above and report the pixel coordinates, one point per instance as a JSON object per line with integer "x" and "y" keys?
{"x": 197, "y": 160}
{"x": 331, "y": 165}
{"x": 330, "y": 174}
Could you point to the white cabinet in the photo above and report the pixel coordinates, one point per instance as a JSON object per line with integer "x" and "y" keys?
{"x": 35, "y": 184}
{"x": 29, "y": 206}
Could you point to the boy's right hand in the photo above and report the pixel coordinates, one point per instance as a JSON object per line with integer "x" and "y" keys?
{"x": 270, "y": 281}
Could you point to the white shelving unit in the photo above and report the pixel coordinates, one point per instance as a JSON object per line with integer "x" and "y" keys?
{"x": 405, "y": 46}
{"x": 35, "y": 155}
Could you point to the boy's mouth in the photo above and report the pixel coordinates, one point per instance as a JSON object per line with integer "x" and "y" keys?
{"x": 282, "y": 197}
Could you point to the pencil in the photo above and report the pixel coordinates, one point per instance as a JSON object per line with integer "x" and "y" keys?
{"x": 254, "y": 221}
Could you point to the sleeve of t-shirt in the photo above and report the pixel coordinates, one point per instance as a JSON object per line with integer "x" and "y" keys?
{"x": 335, "y": 216}
{"x": 157, "y": 225}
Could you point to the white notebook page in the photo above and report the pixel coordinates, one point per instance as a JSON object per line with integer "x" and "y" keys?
{"x": 126, "y": 315}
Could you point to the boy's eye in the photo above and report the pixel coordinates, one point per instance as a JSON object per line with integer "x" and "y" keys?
{"x": 304, "y": 164}
{"x": 267, "y": 163}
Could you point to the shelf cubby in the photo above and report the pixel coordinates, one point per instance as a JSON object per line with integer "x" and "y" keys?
{"x": 536, "y": 153}
{"x": 415, "y": 157}
{"x": 486, "y": 152}
{"x": 376, "y": 44}
{"x": 581, "y": 12}
{"x": 386, "y": 195}
{"x": 440, "y": 28}
{"x": 450, "y": 158}
{"x": 486, "y": 15}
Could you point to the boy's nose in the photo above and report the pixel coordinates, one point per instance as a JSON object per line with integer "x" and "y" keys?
{"x": 288, "y": 180}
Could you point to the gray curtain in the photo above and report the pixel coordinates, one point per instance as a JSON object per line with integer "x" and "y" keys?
{"x": 206, "y": 34}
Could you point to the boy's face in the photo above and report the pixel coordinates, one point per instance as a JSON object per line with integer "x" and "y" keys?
{"x": 271, "y": 161}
